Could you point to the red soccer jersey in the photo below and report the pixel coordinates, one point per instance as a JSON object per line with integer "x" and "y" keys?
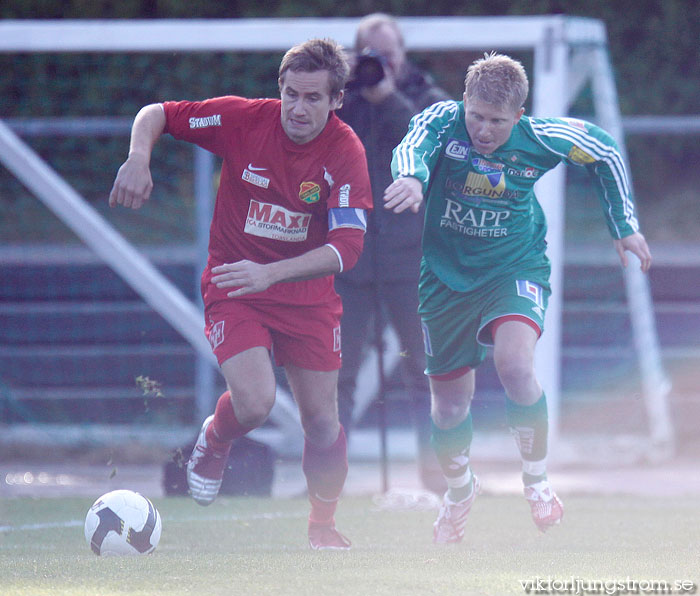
{"x": 274, "y": 195}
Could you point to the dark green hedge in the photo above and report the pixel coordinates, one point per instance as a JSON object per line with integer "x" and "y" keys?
{"x": 654, "y": 43}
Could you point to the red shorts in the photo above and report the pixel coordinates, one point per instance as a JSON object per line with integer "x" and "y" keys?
{"x": 305, "y": 336}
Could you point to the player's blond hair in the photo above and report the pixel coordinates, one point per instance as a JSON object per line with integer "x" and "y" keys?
{"x": 318, "y": 54}
{"x": 498, "y": 80}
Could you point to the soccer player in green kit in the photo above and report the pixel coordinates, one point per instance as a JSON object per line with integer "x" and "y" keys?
{"x": 484, "y": 273}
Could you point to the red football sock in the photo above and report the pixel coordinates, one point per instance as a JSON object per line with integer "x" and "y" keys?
{"x": 225, "y": 426}
{"x": 325, "y": 471}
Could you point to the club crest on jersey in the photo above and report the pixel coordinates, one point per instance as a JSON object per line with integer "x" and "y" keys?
{"x": 266, "y": 220}
{"x": 309, "y": 192}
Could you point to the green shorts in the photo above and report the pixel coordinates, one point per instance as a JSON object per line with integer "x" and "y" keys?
{"x": 456, "y": 325}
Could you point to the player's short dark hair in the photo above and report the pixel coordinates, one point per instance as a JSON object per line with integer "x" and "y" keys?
{"x": 318, "y": 54}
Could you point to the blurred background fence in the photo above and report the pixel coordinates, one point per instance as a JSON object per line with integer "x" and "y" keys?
{"x": 78, "y": 346}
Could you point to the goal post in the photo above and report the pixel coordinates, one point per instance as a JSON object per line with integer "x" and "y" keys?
{"x": 656, "y": 386}
{"x": 109, "y": 245}
{"x": 561, "y": 46}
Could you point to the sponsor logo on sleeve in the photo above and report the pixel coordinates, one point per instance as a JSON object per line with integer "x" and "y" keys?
{"x": 309, "y": 192}
{"x": 205, "y": 122}
{"x": 266, "y": 220}
{"x": 578, "y": 155}
{"x": 457, "y": 149}
{"x": 344, "y": 196}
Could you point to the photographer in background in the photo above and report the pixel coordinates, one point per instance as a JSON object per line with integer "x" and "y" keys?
{"x": 384, "y": 92}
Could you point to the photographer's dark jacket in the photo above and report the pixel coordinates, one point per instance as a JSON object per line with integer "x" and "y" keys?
{"x": 393, "y": 241}
{"x": 420, "y": 87}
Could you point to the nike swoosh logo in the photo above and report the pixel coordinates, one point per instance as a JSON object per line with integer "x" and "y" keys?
{"x": 252, "y": 168}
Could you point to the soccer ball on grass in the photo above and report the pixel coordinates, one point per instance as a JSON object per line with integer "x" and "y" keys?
{"x": 122, "y": 522}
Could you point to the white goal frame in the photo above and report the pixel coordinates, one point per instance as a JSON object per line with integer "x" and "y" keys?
{"x": 568, "y": 52}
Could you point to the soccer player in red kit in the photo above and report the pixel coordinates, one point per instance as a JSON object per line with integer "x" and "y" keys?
{"x": 290, "y": 212}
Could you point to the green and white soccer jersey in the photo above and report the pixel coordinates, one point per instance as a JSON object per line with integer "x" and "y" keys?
{"x": 482, "y": 218}
{"x": 484, "y": 230}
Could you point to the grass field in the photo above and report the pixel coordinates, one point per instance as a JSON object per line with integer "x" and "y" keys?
{"x": 258, "y": 546}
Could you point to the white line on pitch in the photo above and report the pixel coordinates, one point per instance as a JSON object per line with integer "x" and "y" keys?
{"x": 76, "y": 522}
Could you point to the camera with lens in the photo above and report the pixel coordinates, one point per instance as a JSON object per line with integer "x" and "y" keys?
{"x": 369, "y": 69}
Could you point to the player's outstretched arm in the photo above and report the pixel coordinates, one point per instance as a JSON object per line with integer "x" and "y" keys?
{"x": 636, "y": 244}
{"x": 133, "y": 184}
{"x": 248, "y": 277}
{"x": 404, "y": 193}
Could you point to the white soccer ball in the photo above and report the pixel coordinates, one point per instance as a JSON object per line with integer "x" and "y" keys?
{"x": 122, "y": 522}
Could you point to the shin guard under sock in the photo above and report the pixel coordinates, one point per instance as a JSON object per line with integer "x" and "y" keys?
{"x": 529, "y": 426}
{"x": 452, "y": 448}
{"x": 225, "y": 426}
{"x": 325, "y": 471}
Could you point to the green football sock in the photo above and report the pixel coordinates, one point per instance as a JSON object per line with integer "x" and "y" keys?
{"x": 452, "y": 447}
{"x": 529, "y": 426}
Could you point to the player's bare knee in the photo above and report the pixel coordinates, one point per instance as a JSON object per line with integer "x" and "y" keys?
{"x": 321, "y": 429}
{"x": 447, "y": 413}
{"x": 253, "y": 418}
{"x": 515, "y": 375}
{"x": 252, "y": 408}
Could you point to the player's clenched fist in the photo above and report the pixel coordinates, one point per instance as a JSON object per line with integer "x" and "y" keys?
{"x": 133, "y": 184}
